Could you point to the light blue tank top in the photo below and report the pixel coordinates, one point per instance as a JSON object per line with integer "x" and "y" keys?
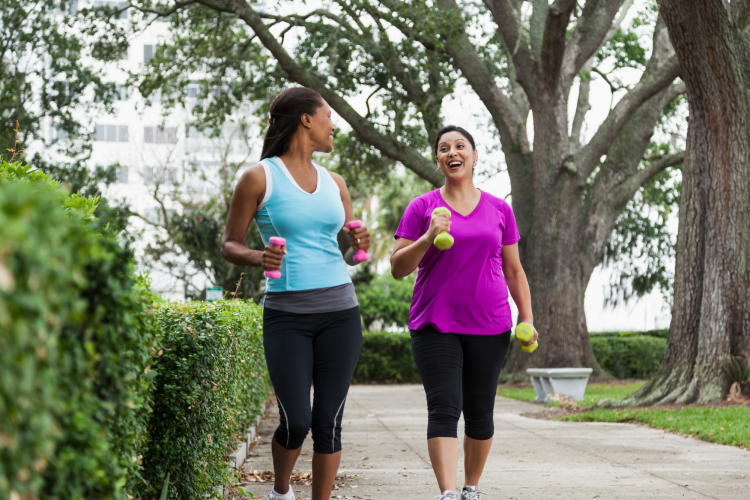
{"x": 309, "y": 222}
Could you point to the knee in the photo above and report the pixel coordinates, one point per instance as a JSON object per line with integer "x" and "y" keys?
{"x": 443, "y": 421}
{"x": 292, "y": 432}
{"x": 479, "y": 426}
{"x": 326, "y": 431}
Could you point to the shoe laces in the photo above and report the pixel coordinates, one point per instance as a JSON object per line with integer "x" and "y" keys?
{"x": 448, "y": 495}
{"x": 471, "y": 494}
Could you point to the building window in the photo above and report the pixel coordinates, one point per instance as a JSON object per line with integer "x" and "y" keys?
{"x": 56, "y": 133}
{"x": 148, "y": 52}
{"x": 111, "y": 133}
{"x": 123, "y": 133}
{"x": 115, "y": 6}
{"x": 158, "y": 135}
{"x": 122, "y": 93}
{"x": 70, "y": 7}
{"x": 152, "y": 175}
{"x": 122, "y": 174}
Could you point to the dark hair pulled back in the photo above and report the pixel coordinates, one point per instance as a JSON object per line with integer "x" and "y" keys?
{"x": 285, "y": 113}
{"x": 452, "y": 128}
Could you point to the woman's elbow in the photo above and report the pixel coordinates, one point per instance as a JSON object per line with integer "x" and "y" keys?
{"x": 395, "y": 271}
{"x": 224, "y": 249}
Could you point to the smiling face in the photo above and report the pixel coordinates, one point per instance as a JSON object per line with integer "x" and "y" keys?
{"x": 321, "y": 128}
{"x": 455, "y": 156}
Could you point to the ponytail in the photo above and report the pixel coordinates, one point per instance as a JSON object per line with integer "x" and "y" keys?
{"x": 285, "y": 113}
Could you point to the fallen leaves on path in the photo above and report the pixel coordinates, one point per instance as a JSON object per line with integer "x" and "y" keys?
{"x": 298, "y": 478}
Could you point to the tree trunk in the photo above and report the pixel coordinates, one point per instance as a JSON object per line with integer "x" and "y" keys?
{"x": 711, "y": 313}
{"x": 551, "y": 250}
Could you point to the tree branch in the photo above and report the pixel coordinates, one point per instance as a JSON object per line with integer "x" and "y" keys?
{"x": 593, "y": 29}
{"x": 387, "y": 145}
{"x": 414, "y": 34}
{"x": 652, "y": 82}
{"x": 553, "y": 43}
{"x": 582, "y": 107}
{"x": 619, "y": 177}
{"x": 658, "y": 165}
{"x": 160, "y": 13}
{"x": 540, "y": 9}
{"x": 742, "y": 13}
{"x": 504, "y": 114}
{"x": 508, "y": 25}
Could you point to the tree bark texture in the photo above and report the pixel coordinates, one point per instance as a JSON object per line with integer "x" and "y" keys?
{"x": 566, "y": 199}
{"x": 711, "y": 313}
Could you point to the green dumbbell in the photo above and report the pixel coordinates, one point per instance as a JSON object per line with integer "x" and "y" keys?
{"x": 524, "y": 333}
{"x": 444, "y": 240}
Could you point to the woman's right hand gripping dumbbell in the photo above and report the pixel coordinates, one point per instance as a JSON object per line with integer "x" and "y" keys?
{"x": 271, "y": 259}
{"x": 439, "y": 222}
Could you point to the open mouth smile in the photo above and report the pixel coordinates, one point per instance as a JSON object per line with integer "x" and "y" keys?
{"x": 455, "y": 164}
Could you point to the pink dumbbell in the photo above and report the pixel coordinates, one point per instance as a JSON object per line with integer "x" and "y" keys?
{"x": 278, "y": 242}
{"x": 361, "y": 255}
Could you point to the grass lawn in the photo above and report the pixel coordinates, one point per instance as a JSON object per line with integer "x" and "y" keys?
{"x": 726, "y": 425}
{"x": 594, "y": 392}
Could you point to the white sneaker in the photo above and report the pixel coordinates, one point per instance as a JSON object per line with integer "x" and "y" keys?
{"x": 289, "y": 495}
{"x": 471, "y": 493}
{"x": 448, "y": 495}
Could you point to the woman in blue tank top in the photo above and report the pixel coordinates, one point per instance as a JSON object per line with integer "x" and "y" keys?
{"x": 312, "y": 330}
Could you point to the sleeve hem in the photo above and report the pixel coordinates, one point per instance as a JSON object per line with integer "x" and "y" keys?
{"x": 400, "y": 234}
{"x": 512, "y": 242}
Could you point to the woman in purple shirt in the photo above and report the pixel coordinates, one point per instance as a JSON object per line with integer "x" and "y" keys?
{"x": 460, "y": 318}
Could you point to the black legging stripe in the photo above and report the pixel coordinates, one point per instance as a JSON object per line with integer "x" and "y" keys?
{"x": 459, "y": 373}
{"x": 303, "y": 349}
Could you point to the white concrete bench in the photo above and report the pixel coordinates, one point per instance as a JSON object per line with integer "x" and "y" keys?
{"x": 569, "y": 381}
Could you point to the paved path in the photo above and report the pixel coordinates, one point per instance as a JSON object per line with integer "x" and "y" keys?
{"x": 385, "y": 447}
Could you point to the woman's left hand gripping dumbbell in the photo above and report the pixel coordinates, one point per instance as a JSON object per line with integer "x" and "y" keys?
{"x": 360, "y": 239}
{"x": 273, "y": 256}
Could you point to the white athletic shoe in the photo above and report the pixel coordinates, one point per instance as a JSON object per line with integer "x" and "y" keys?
{"x": 289, "y": 495}
{"x": 471, "y": 493}
{"x": 448, "y": 495}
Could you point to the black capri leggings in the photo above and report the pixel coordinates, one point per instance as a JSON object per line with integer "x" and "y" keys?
{"x": 317, "y": 348}
{"x": 459, "y": 372}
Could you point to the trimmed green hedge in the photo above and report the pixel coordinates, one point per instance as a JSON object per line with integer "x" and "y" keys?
{"x": 662, "y": 334}
{"x": 211, "y": 383}
{"x": 74, "y": 344}
{"x": 386, "y": 358}
{"x": 84, "y": 348}
{"x": 629, "y": 355}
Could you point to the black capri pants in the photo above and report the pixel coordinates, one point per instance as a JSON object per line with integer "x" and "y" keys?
{"x": 317, "y": 348}
{"x": 459, "y": 372}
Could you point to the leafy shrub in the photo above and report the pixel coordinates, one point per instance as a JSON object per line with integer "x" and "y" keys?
{"x": 211, "y": 383}
{"x": 662, "y": 334}
{"x": 74, "y": 346}
{"x": 386, "y": 358}
{"x": 386, "y": 300}
{"x": 629, "y": 356}
{"x": 72, "y": 202}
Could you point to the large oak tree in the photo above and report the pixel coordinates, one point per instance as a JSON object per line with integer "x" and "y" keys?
{"x": 711, "y": 315}
{"x": 521, "y": 59}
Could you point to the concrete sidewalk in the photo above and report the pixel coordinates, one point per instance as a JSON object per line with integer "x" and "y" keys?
{"x": 385, "y": 446}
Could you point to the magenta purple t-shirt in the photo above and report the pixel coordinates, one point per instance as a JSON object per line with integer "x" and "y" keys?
{"x": 462, "y": 289}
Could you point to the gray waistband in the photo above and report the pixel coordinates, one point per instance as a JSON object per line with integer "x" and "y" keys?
{"x": 318, "y": 300}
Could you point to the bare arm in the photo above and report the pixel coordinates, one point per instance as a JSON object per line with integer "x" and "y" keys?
{"x": 518, "y": 286}
{"x": 242, "y": 209}
{"x": 407, "y": 254}
{"x": 358, "y": 238}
